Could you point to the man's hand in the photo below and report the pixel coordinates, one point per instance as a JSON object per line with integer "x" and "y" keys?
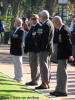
{"x": 71, "y": 58}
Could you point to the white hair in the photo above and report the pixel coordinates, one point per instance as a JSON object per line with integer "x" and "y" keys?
{"x": 19, "y": 20}
{"x": 57, "y": 19}
{"x": 44, "y": 13}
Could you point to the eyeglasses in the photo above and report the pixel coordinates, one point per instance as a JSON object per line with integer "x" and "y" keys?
{"x": 33, "y": 18}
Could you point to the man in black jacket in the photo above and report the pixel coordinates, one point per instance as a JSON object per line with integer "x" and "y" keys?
{"x": 63, "y": 54}
{"x": 32, "y": 45}
{"x": 16, "y": 49}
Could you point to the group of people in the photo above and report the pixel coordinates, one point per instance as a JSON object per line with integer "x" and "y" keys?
{"x": 39, "y": 44}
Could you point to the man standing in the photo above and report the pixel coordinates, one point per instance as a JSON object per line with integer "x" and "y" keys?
{"x": 46, "y": 48}
{"x": 16, "y": 48}
{"x": 63, "y": 54}
{"x": 32, "y": 44}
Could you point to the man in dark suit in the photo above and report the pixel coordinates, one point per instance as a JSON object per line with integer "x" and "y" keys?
{"x": 63, "y": 54}
{"x": 16, "y": 49}
{"x": 32, "y": 45}
{"x": 46, "y": 49}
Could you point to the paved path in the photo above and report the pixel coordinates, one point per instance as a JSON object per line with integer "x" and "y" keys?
{"x": 6, "y": 66}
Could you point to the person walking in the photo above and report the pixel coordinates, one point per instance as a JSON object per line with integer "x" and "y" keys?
{"x": 16, "y": 49}
{"x": 46, "y": 49}
{"x": 63, "y": 54}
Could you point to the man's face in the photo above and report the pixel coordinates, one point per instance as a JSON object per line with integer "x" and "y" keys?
{"x": 42, "y": 18}
{"x": 56, "y": 25}
{"x": 34, "y": 20}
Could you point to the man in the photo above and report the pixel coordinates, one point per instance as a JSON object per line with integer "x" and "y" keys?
{"x": 46, "y": 49}
{"x": 63, "y": 54}
{"x": 16, "y": 48}
{"x": 32, "y": 44}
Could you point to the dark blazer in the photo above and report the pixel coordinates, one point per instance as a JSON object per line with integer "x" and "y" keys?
{"x": 32, "y": 41}
{"x": 47, "y": 36}
{"x": 64, "y": 43}
{"x": 16, "y": 47}
{"x": 55, "y": 39}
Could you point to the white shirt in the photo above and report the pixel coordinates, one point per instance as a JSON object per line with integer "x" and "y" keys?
{"x": 17, "y": 29}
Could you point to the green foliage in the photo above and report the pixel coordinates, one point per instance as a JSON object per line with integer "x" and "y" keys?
{"x": 12, "y": 90}
{"x": 7, "y": 22}
{"x": 20, "y": 8}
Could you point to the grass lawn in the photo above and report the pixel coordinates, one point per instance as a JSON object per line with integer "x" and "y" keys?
{"x": 12, "y": 90}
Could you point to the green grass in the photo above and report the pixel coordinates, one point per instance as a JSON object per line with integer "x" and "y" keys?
{"x": 12, "y": 90}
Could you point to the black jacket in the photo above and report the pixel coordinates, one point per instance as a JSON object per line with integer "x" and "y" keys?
{"x": 16, "y": 47}
{"x": 32, "y": 41}
{"x": 47, "y": 36}
{"x": 64, "y": 43}
{"x": 55, "y": 39}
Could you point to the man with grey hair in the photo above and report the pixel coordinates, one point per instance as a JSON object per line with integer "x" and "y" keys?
{"x": 46, "y": 48}
{"x": 16, "y": 49}
{"x": 44, "y": 13}
{"x": 63, "y": 54}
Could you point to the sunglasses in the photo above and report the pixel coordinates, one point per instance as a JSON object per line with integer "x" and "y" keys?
{"x": 33, "y": 18}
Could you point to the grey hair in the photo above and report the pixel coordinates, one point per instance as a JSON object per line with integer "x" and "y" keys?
{"x": 57, "y": 19}
{"x": 44, "y": 13}
{"x": 19, "y": 20}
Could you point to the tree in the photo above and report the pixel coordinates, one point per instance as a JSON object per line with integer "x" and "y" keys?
{"x": 50, "y": 5}
{"x": 21, "y": 8}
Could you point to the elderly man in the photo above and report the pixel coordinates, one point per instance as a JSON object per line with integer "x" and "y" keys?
{"x": 32, "y": 44}
{"x": 46, "y": 49}
{"x": 63, "y": 54}
{"x": 17, "y": 48}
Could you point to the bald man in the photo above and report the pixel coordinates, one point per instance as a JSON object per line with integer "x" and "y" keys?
{"x": 16, "y": 49}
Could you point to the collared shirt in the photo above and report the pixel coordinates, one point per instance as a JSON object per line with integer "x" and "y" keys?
{"x": 45, "y": 21}
{"x": 17, "y": 29}
{"x": 61, "y": 27}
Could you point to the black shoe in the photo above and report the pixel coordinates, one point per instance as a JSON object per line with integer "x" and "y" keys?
{"x": 58, "y": 94}
{"x": 53, "y": 93}
{"x": 42, "y": 86}
{"x": 31, "y": 83}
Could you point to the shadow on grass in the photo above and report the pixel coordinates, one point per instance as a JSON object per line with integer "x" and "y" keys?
{"x": 11, "y": 86}
{"x": 17, "y": 91}
{"x": 7, "y": 80}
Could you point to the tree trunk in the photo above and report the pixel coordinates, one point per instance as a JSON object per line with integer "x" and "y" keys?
{"x": 4, "y": 8}
{"x": 14, "y": 6}
{"x": 50, "y": 5}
